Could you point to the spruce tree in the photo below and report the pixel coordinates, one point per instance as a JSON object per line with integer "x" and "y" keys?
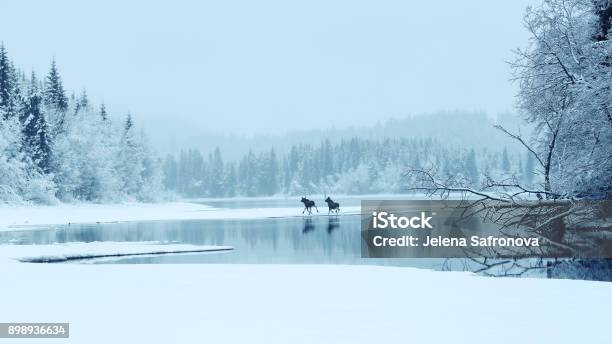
{"x": 83, "y": 100}
{"x": 80, "y": 103}
{"x": 272, "y": 174}
{"x": 54, "y": 94}
{"x": 505, "y": 163}
{"x": 5, "y": 78}
{"x": 471, "y": 167}
{"x": 216, "y": 173}
{"x": 231, "y": 180}
{"x": 34, "y": 127}
{"x": 128, "y": 125}
{"x": 8, "y": 85}
{"x": 170, "y": 168}
{"x": 103, "y": 113}
{"x": 326, "y": 158}
{"x": 55, "y": 101}
{"x": 130, "y": 159}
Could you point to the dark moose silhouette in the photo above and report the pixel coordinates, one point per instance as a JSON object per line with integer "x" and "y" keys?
{"x": 333, "y": 206}
{"x": 308, "y": 204}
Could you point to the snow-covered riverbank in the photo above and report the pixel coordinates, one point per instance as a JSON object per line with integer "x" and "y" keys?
{"x": 24, "y": 217}
{"x": 63, "y": 252}
{"x": 302, "y": 304}
{"x": 184, "y": 303}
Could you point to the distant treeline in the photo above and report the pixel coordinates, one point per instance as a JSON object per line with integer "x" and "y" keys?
{"x": 350, "y": 166}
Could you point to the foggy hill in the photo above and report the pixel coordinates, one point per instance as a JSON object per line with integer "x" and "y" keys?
{"x": 468, "y": 129}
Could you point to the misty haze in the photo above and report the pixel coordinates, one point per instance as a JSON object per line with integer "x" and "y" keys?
{"x": 198, "y": 171}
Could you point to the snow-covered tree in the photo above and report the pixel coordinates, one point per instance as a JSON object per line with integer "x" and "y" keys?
{"x": 326, "y": 167}
{"x": 271, "y": 168}
{"x": 171, "y": 178}
{"x": 565, "y": 92}
{"x": 55, "y": 100}
{"x": 215, "y": 174}
{"x": 35, "y": 140}
{"x": 231, "y": 180}
{"x": 20, "y": 179}
{"x": 140, "y": 170}
{"x": 505, "y": 161}
{"x": 9, "y": 89}
{"x": 471, "y": 167}
{"x": 130, "y": 159}
{"x": 54, "y": 93}
{"x": 103, "y": 113}
{"x": 45, "y": 154}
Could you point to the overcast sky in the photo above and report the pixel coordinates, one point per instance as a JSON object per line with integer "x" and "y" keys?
{"x": 270, "y": 66}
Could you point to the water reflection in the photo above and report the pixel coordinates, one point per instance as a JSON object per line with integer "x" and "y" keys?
{"x": 333, "y": 222}
{"x": 308, "y": 225}
{"x": 308, "y": 240}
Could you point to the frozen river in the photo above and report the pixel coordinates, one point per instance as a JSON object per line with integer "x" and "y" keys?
{"x": 295, "y": 239}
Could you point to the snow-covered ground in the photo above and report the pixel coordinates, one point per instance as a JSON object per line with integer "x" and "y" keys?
{"x": 15, "y": 217}
{"x": 108, "y": 249}
{"x": 183, "y": 303}
{"x": 301, "y": 304}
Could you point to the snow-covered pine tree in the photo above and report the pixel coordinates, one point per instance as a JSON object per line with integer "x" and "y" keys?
{"x": 272, "y": 172}
{"x": 471, "y": 168}
{"x": 103, "y": 113}
{"x": 170, "y": 168}
{"x": 34, "y": 127}
{"x": 45, "y": 154}
{"x": 9, "y": 88}
{"x": 152, "y": 174}
{"x": 20, "y": 179}
{"x": 130, "y": 159}
{"x": 215, "y": 173}
{"x": 231, "y": 180}
{"x": 327, "y": 163}
{"x": 55, "y": 99}
{"x": 54, "y": 93}
{"x": 83, "y": 100}
{"x": 248, "y": 176}
{"x": 505, "y": 161}
{"x": 79, "y": 103}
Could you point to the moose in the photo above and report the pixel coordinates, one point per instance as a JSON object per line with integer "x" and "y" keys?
{"x": 333, "y": 206}
{"x": 308, "y": 204}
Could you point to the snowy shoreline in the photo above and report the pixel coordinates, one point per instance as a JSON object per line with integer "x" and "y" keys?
{"x": 169, "y": 303}
{"x": 13, "y": 218}
{"x": 64, "y": 252}
{"x": 259, "y": 303}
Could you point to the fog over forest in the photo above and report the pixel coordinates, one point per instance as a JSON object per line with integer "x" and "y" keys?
{"x": 202, "y": 69}
{"x": 465, "y": 128}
